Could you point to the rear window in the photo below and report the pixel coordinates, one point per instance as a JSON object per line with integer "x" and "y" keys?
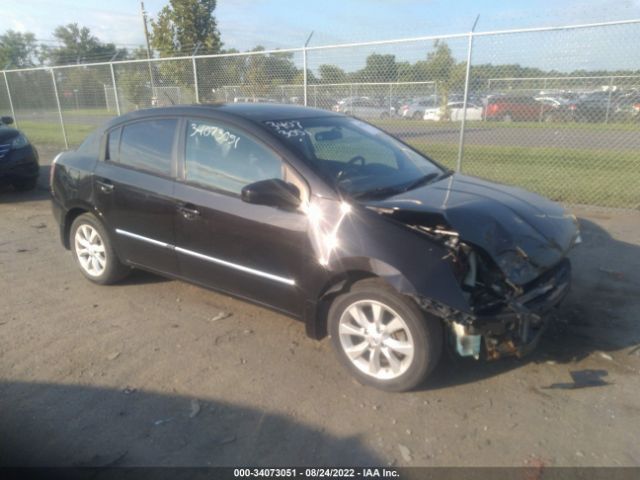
{"x": 148, "y": 145}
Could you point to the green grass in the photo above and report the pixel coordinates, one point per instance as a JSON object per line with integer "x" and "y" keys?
{"x": 94, "y": 112}
{"x": 50, "y": 134}
{"x": 593, "y": 177}
{"x": 572, "y": 175}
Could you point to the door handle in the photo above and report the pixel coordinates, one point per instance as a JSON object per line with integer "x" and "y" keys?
{"x": 188, "y": 211}
{"x": 105, "y": 186}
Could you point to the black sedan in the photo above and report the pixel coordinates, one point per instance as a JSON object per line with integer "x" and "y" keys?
{"x": 325, "y": 218}
{"x": 18, "y": 158}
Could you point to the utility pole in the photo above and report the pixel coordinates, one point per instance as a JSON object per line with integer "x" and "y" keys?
{"x": 146, "y": 36}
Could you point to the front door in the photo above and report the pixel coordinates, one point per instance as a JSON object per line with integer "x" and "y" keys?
{"x": 253, "y": 251}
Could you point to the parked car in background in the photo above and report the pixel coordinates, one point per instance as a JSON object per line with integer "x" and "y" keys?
{"x": 363, "y": 107}
{"x": 456, "y": 111}
{"x": 432, "y": 113}
{"x": 253, "y": 100}
{"x": 18, "y": 158}
{"x": 628, "y": 107}
{"x": 602, "y": 106}
{"x": 416, "y": 108}
{"x": 509, "y": 108}
{"x": 325, "y": 218}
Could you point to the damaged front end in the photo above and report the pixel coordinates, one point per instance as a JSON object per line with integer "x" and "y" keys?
{"x": 504, "y": 319}
{"x": 508, "y": 251}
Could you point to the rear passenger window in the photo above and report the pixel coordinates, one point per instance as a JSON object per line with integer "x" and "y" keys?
{"x": 225, "y": 158}
{"x": 148, "y": 145}
{"x": 113, "y": 145}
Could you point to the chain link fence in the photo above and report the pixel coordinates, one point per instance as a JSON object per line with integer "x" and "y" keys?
{"x": 554, "y": 110}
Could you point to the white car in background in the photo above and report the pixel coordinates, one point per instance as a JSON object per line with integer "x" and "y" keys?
{"x": 363, "y": 107}
{"x": 456, "y": 110}
{"x": 416, "y": 108}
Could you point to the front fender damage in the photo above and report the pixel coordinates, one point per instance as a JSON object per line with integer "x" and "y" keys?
{"x": 503, "y": 319}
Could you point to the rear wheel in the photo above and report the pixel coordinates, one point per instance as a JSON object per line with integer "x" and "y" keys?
{"x": 93, "y": 251}
{"x": 418, "y": 115}
{"x": 383, "y": 338}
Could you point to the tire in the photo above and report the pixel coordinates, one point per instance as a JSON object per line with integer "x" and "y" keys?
{"x": 507, "y": 118}
{"x": 417, "y": 335}
{"x": 26, "y": 184}
{"x": 384, "y": 115}
{"x": 102, "y": 266}
{"x": 417, "y": 115}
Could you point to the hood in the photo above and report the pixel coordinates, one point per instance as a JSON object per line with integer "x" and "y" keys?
{"x": 7, "y": 134}
{"x": 524, "y": 233}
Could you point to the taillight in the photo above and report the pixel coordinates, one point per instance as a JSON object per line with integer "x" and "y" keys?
{"x": 572, "y": 107}
{"x": 492, "y": 107}
{"x": 636, "y": 107}
{"x": 52, "y": 170}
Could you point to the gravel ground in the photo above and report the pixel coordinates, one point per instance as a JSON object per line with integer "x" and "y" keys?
{"x": 160, "y": 372}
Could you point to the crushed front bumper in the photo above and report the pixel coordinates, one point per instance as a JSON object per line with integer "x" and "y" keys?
{"x": 516, "y": 329}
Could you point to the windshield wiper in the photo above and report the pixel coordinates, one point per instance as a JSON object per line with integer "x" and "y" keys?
{"x": 420, "y": 181}
{"x": 395, "y": 189}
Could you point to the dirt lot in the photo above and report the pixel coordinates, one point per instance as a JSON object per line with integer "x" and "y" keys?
{"x": 149, "y": 373}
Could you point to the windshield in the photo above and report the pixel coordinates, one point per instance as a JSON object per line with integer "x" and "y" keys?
{"x": 359, "y": 159}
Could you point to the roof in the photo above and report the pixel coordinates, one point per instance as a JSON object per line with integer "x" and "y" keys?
{"x": 256, "y": 112}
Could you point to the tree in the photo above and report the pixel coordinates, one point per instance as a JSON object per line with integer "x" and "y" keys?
{"x": 184, "y": 24}
{"x": 17, "y": 50}
{"x": 379, "y": 68}
{"x": 80, "y": 46}
{"x": 332, "y": 74}
{"x": 440, "y": 67}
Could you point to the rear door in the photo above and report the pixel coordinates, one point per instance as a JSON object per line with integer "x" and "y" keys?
{"x": 134, "y": 185}
{"x": 253, "y": 251}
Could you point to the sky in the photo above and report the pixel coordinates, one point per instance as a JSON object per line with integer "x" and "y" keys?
{"x": 287, "y": 23}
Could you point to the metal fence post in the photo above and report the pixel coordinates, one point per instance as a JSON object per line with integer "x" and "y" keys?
{"x": 195, "y": 79}
{"x": 115, "y": 89}
{"x": 13, "y": 113}
{"x": 466, "y": 95}
{"x": 55, "y": 90}
{"x": 606, "y": 118}
{"x": 304, "y": 67}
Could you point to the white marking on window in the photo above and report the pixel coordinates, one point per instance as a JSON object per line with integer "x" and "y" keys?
{"x": 289, "y": 128}
{"x": 223, "y": 137}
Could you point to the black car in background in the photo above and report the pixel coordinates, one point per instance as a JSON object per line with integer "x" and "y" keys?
{"x": 18, "y": 158}
{"x": 325, "y": 218}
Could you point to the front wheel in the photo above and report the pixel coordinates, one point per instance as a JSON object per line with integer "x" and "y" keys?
{"x": 383, "y": 338}
{"x": 93, "y": 251}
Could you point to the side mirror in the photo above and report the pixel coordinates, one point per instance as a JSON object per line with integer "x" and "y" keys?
{"x": 6, "y": 120}
{"x": 273, "y": 192}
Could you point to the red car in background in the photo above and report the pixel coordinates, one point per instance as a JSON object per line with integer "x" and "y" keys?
{"x": 509, "y": 108}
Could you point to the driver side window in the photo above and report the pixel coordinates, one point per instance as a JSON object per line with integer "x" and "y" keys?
{"x": 226, "y": 158}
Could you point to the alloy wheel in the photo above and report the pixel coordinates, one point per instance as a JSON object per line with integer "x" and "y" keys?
{"x": 90, "y": 250}
{"x": 376, "y": 339}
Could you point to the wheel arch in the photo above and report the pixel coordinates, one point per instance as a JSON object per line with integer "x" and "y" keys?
{"x": 74, "y": 212}
{"x": 315, "y": 314}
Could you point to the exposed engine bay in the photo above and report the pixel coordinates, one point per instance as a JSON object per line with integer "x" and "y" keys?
{"x": 506, "y": 319}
